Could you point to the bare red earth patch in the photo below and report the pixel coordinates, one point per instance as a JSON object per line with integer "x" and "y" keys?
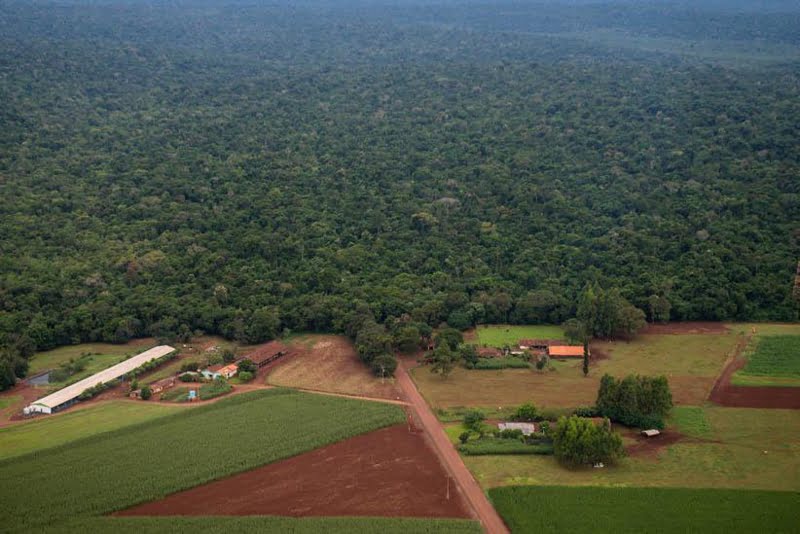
{"x": 645, "y": 446}
{"x": 727, "y": 394}
{"x": 695, "y": 327}
{"x": 389, "y": 472}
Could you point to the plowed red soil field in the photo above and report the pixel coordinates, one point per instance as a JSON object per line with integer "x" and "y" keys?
{"x": 727, "y": 394}
{"x": 389, "y": 472}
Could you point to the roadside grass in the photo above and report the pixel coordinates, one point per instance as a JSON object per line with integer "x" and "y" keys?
{"x": 563, "y": 509}
{"x": 176, "y": 394}
{"x": 690, "y": 420}
{"x": 501, "y": 335}
{"x": 171, "y": 368}
{"x": 771, "y": 361}
{"x": 147, "y": 461}
{"x": 752, "y": 448}
{"x": 46, "y": 432}
{"x": 766, "y": 329}
{"x": 103, "y": 355}
{"x": 236, "y": 525}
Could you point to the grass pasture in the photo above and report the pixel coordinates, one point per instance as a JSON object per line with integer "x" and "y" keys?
{"x": 774, "y": 361}
{"x": 103, "y": 355}
{"x": 501, "y": 334}
{"x": 723, "y": 448}
{"x": 563, "y": 509}
{"x": 139, "y": 463}
{"x": 48, "y": 432}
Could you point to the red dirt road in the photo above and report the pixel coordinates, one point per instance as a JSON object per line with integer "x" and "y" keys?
{"x": 389, "y": 472}
{"x": 488, "y": 516}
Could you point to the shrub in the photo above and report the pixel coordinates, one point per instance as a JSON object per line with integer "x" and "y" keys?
{"x": 246, "y": 376}
{"x": 246, "y": 366}
{"x": 492, "y": 446}
{"x": 526, "y": 412}
{"x": 586, "y": 411}
{"x": 579, "y": 441}
{"x": 463, "y": 437}
{"x": 146, "y": 393}
{"x": 510, "y": 433}
{"x": 228, "y": 356}
{"x": 190, "y": 366}
{"x": 188, "y": 377}
{"x": 473, "y": 420}
{"x": 510, "y": 362}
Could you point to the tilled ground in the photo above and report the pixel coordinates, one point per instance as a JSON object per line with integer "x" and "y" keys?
{"x": 389, "y": 472}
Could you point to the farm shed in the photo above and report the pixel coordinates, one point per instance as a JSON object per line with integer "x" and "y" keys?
{"x": 526, "y": 428}
{"x": 650, "y": 433}
{"x": 68, "y": 395}
{"x": 565, "y": 351}
{"x": 268, "y": 353}
{"x": 212, "y": 372}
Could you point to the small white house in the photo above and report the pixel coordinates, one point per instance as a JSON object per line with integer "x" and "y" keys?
{"x": 527, "y": 428}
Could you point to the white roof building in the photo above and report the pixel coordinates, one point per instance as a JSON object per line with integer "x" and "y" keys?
{"x": 67, "y": 395}
{"x": 527, "y": 428}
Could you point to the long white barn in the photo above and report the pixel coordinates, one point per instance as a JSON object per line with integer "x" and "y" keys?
{"x": 66, "y": 396}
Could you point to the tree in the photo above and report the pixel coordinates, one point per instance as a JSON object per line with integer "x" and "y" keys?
{"x": 469, "y": 354}
{"x": 541, "y": 362}
{"x": 575, "y": 330}
{"x": 640, "y": 401}
{"x": 246, "y": 376}
{"x": 464, "y": 437}
{"x": 449, "y": 336}
{"x": 228, "y": 356}
{"x": 146, "y": 393}
{"x": 443, "y": 360}
{"x": 384, "y": 365}
{"x": 659, "y": 308}
{"x": 578, "y": 441}
{"x": 585, "y": 358}
{"x": 473, "y": 420}
{"x": 246, "y": 366}
{"x": 459, "y": 319}
{"x": 372, "y": 340}
{"x": 264, "y": 325}
{"x": 407, "y": 339}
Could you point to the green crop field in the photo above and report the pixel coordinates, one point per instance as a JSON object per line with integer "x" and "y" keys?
{"x": 775, "y": 361}
{"x": 501, "y": 335}
{"x": 562, "y": 509}
{"x": 236, "y": 525}
{"x": 47, "y": 432}
{"x": 143, "y": 462}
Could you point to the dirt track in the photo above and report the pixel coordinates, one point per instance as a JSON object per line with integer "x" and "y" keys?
{"x": 389, "y": 472}
{"x": 486, "y": 513}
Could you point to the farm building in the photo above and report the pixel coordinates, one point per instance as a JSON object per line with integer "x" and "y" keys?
{"x": 229, "y": 370}
{"x": 565, "y": 351}
{"x": 538, "y": 344}
{"x": 155, "y": 387}
{"x": 489, "y": 352}
{"x": 268, "y": 353}
{"x": 68, "y": 395}
{"x": 526, "y": 428}
{"x": 212, "y": 372}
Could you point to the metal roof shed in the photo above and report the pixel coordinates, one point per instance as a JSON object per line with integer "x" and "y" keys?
{"x": 56, "y": 400}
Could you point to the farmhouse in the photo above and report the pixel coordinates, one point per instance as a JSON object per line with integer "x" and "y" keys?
{"x": 565, "y": 351}
{"x": 489, "y": 352}
{"x": 526, "y": 428}
{"x": 212, "y": 372}
{"x": 67, "y": 396}
{"x": 229, "y": 370}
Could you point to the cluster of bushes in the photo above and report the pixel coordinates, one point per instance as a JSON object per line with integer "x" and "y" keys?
{"x": 69, "y": 368}
{"x": 95, "y": 390}
{"x": 637, "y": 401}
{"x": 214, "y": 389}
{"x": 578, "y": 441}
{"x": 508, "y": 441}
{"x": 493, "y": 446}
{"x": 152, "y": 364}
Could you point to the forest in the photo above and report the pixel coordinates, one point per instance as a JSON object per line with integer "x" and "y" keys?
{"x": 247, "y": 168}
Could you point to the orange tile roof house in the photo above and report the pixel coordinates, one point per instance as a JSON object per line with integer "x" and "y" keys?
{"x": 565, "y": 351}
{"x": 229, "y": 370}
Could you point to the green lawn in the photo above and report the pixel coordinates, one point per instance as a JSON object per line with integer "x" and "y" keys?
{"x": 501, "y": 335}
{"x": 561, "y": 509}
{"x": 51, "y": 431}
{"x": 5, "y": 402}
{"x": 727, "y": 448}
{"x": 237, "y": 525}
{"x": 111, "y": 471}
{"x": 104, "y": 355}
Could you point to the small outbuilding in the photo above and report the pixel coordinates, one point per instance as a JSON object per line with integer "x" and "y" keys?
{"x": 651, "y": 433}
{"x": 526, "y": 428}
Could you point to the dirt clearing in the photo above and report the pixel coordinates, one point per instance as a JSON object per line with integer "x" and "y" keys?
{"x": 726, "y": 394}
{"x": 331, "y": 364}
{"x": 695, "y": 327}
{"x": 389, "y": 473}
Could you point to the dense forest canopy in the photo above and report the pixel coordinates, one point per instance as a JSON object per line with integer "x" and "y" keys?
{"x": 244, "y": 167}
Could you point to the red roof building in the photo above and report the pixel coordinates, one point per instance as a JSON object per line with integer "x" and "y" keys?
{"x": 565, "y": 351}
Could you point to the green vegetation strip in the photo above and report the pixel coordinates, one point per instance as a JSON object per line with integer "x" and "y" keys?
{"x": 490, "y": 446}
{"x": 561, "y": 509}
{"x": 235, "y": 525}
{"x": 501, "y": 335}
{"x": 501, "y": 363}
{"x": 775, "y": 356}
{"x": 148, "y": 461}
